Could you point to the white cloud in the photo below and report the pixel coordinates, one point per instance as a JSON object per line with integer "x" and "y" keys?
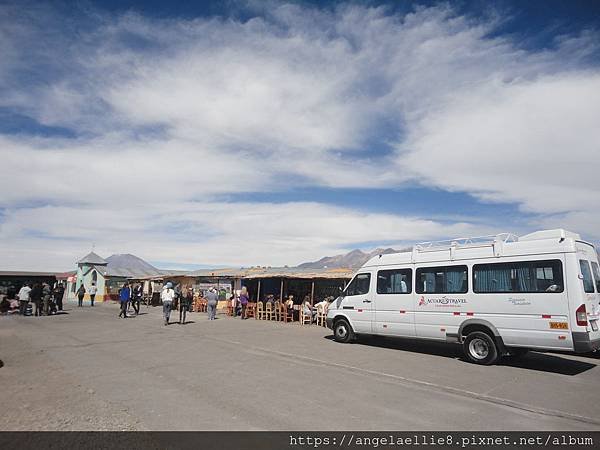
{"x": 170, "y": 113}
{"x": 205, "y": 233}
{"x": 535, "y": 143}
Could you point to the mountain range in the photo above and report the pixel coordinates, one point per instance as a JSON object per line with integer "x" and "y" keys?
{"x": 127, "y": 265}
{"x": 352, "y": 260}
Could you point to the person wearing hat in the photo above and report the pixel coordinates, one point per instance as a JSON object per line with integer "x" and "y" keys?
{"x": 167, "y": 296}
{"x": 212, "y": 300}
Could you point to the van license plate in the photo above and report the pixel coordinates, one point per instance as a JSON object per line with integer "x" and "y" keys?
{"x": 594, "y": 324}
{"x": 559, "y": 325}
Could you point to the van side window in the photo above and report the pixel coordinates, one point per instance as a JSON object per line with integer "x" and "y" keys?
{"x": 588, "y": 283}
{"x": 442, "y": 280}
{"x": 525, "y": 277}
{"x": 596, "y": 273}
{"x": 396, "y": 281}
{"x": 360, "y": 284}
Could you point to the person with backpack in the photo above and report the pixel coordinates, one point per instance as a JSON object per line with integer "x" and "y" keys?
{"x": 124, "y": 295}
{"x": 167, "y": 296}
{"x": 80, "y": 295}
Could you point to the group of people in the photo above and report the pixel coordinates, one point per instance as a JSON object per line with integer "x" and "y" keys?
{"x": 129, "y": 296}
{"x": 184, "y": 298}
{"x": 43, "y": 299}
{"x": 240, "y": 304}
{"x": 93, "y": 290}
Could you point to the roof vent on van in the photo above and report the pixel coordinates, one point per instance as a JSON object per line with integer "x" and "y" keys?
{"x": 550, "y": 234}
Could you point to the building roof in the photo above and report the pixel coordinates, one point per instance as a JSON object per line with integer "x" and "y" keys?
{"x": 92, "y": 258}
{"x": 273, "y": 272}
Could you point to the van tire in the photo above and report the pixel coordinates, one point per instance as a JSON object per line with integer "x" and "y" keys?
{"x": 480, "y": 348}
{"x": 342, "y": 331}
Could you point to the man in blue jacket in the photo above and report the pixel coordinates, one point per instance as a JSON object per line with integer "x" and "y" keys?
{"x": 124, "y": 295}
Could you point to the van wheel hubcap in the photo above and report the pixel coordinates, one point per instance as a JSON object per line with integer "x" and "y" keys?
{"x": 479, "y": 349}
{"x": 341, "y": 331}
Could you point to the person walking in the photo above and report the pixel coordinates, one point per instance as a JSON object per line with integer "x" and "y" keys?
{"x": 185, "y": 303}
{"x": 24, "y": 298}
{"x": 93, "y": 290}
{"x": 36, "y": 298}
{"x": 124, "y": 295}
{"x": 167, "y": 296}
{"x": 136, "y": 298}
{"x": 212, "y": 300}
{"x": 80, "y": 295}
{"x": 244, "y": 301}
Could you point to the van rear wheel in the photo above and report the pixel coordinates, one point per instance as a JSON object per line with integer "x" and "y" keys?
{"x": 342, "y": 331}
{"x": 480, "y": 348}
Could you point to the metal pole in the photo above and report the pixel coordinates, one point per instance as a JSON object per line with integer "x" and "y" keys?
{"x": 312, "y": 293}
{"x": 258, "y": 292}
{"x": 281, "y": 291}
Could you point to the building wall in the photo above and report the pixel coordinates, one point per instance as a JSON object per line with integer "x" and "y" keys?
{"x": 87, "y": 282}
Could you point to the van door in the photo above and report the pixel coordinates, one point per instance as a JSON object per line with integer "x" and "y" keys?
{"x": 394, "y": 303}
{"x": 358, "y": 302}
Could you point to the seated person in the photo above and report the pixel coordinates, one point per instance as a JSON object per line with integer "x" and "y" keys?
{"x": 289, "y": 303}
{"x": 322, "y": 304}
{"x": 308, "y": 310}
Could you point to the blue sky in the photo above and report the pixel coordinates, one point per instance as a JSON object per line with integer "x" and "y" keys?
{"x": 272, "y": 133}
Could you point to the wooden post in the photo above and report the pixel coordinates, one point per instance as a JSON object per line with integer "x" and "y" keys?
{"x": 258, "y": 292}
{"x": 312, "y": 293}
{"x": 281, "y": 291}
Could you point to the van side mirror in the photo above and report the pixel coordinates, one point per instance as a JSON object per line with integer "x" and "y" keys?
{"x": 552, "y": 288}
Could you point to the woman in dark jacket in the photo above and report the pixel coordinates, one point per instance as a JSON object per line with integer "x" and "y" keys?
{"x": 36, "y": 298}
{"x": 80, "y": 294}
{"x": 185, "y": 303}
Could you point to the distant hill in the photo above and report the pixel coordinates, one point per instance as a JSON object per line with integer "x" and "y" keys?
{"x": 127, "y": 265}
{"x": 352, "y": 260}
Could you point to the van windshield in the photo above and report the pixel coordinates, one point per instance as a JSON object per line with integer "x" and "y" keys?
{"x": 596, "y": 272}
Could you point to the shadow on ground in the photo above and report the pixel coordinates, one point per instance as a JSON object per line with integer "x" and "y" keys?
{"x": 542, "y": 362}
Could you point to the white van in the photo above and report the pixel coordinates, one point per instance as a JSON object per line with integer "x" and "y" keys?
{"x": 497, "y": 296}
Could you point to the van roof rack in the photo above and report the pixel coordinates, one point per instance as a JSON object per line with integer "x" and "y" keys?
{"x": 478, "y": 241}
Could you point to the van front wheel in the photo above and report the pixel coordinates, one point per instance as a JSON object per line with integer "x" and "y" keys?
{"x": 480, "y": 348}
{"x": 342, "y": 332}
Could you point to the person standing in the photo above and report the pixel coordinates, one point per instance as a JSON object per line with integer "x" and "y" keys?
{"x": 167, "y": 296}
{"x": 212, "y": 299}
{"x": 36, "y": 298}
{"x": 93, "y": 290}
{"x": 80, "y": 295}
{"x": 46, "y": 292}
{"x": 184, "y": 304}
{"x": 59, "y": 292}
{"x": 244, "y": 301}
{"x": 24, "y": 298}
{"x": 124, "y": 295}
{"x": 136, "y": 298}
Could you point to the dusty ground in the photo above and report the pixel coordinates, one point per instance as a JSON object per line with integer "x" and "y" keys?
{"x": 89, "y": 370}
